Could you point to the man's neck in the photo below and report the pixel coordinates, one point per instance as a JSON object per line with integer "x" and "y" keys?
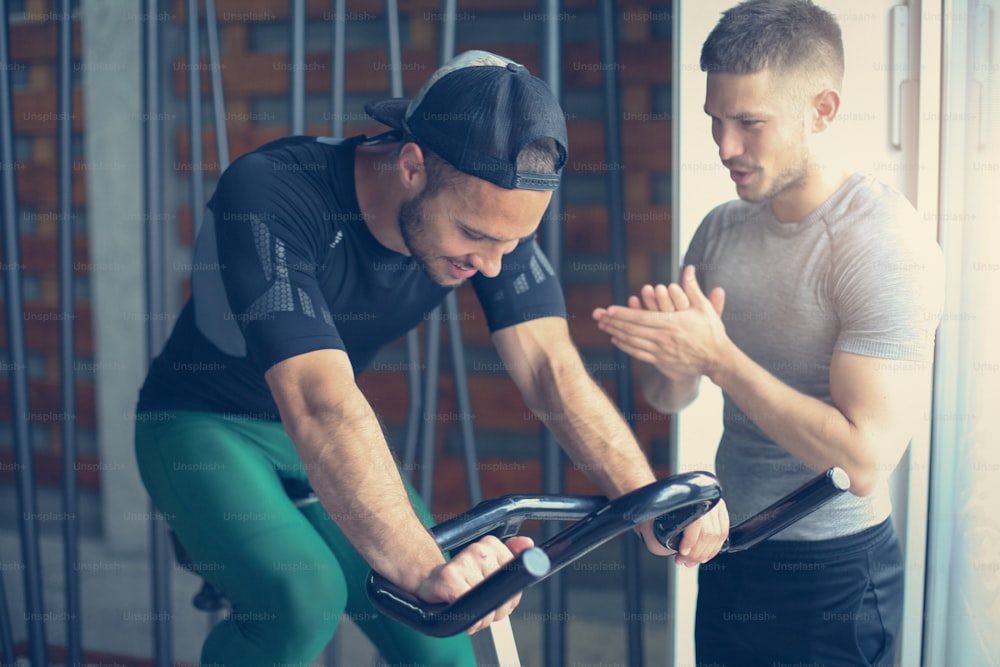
{"x": 795, "y": 203}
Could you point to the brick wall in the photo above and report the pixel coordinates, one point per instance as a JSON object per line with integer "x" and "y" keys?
{"x": 256, "y": 79}
{"x": 33, "y": 74}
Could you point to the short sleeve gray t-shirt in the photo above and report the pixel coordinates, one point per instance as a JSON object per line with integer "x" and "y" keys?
{"x": 861, "y": 274}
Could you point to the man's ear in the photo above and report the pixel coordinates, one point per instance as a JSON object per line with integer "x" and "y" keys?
{"x": 412, "y": 174}
{"x": 826, "y": 104}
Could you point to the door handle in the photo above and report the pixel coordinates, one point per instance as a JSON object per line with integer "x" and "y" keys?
{"x": 982, "y": 67}
{"x": 899, "y": 67}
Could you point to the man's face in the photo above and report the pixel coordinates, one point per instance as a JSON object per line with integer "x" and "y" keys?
{"x": 467, "y": 227}
{"x": 759, "y": 127}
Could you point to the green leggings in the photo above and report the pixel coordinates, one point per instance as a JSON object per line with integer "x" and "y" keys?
{"x": 289, "y": 573}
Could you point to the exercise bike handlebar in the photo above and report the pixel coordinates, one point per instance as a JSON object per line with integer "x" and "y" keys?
{"x": 674, "y": 502}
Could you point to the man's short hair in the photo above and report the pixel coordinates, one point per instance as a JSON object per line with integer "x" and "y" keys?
{"x": 785, "y": 36}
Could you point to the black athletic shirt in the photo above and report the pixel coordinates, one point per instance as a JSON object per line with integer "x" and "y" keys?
{"x": 284, "y": 264}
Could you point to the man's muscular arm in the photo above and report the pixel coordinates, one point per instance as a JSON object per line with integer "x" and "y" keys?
{"x": 349, "y": 464}
{"x": 542, "y": 360}
{"x": 864, "y": 431}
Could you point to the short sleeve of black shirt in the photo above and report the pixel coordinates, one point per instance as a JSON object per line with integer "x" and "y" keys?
{"x": 272, "y": 212}
{"x": 527, "y": 288}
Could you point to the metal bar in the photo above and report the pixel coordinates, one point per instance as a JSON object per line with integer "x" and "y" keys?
{"x": 395, "y": 52}
{"x": 67, "y": 377}
{"x": 428, "y": 428}
{"x": 413, "y": 413}
{"x": 194, "y": 110}
{"x": 619, "y": 258}
{"x": 552, "y": 64}
{"x": 554, "y": 590}
{"x": 160, "y": 557}
{"x": 464, "y": 401}
{"x": 339, "y": 59}
{"x": 221, "y": 146}
{"x": 17, "y": 357}
{"x": 447, "y": 37}
{"x": 218, "y": 100}
{"x": 413, "y": 370}
{"x": 6, "y": 633}
{"x": 298, "y": 66}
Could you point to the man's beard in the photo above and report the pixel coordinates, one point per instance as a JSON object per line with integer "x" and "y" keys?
{"x": 413, "y": 228}
{"x": 791, "y": 177}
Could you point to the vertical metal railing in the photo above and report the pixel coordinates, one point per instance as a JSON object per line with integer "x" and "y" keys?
{"x": 17, "y": 361}
{"x": 553, "y": 457}
{"x": 463, "y": 400}
{"x": 218, "y": 122}
{"x": 196, "y": 147}
{"x": 67, "y": 377}
{"x": 218, "y": 101}
{"x": 414, "y": 377}
{"x": 338, "y": 55}
{"x": 614, "y": 179}
{"x": 155, "y": 286}
{"x": 428, "y": 425}
{"x": 6, "y": 631}
{"x": 411, "y": 444}
{"x": 297, "y": 69}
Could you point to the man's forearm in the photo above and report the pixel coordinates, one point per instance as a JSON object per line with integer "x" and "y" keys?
{"x": 814, "y": 432}
{"x": 356, "y": 478}
{"x": 591, "y": 430}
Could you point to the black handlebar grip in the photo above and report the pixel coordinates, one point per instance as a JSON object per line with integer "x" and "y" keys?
{"x": 669, "y": 528}
{"x": 769, "y": 521}
{"x": 447, "y": 619}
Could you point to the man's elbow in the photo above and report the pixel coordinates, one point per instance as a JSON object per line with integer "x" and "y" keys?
{"x": 670, "y": 405}
{"x": 866, "y": 475}
{"x": 873, "y": 457}
{"x": 668, "y": 400}
{"x": 863, "y": 482}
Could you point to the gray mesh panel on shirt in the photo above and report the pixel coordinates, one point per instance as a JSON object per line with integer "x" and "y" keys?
{"x": 262, "y": 241}
{"x": 279, "y": 297}
{"x": 307, "y": 304}
{"x": 536, "y": 270}
{"x": 541, "y": 259}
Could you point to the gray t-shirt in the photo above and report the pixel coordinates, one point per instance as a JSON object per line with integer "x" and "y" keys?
{"x": 861, "y": 274}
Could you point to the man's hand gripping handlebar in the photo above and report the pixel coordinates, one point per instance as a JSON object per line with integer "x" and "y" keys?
{"x": 674, "y": 502}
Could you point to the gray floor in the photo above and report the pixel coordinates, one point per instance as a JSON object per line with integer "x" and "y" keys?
{"x": 115, "y": 595}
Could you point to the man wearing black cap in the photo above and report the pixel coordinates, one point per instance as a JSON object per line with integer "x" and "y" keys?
{"x": 313, "y": 254}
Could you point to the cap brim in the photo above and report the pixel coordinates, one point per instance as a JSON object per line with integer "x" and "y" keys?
{"x": 389, "y": 112}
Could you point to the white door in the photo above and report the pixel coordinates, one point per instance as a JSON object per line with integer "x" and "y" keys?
{"x": 891, "y": 76}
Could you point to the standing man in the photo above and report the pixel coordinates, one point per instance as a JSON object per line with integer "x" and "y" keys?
{"x": 823, "y": 294}
{"x": 313, "y": 255}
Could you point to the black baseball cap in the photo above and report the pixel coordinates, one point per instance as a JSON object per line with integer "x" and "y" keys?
{"x": 478, "y": 111}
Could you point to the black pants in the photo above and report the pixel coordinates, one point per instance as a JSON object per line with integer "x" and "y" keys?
{"x": 827, "y": 603}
